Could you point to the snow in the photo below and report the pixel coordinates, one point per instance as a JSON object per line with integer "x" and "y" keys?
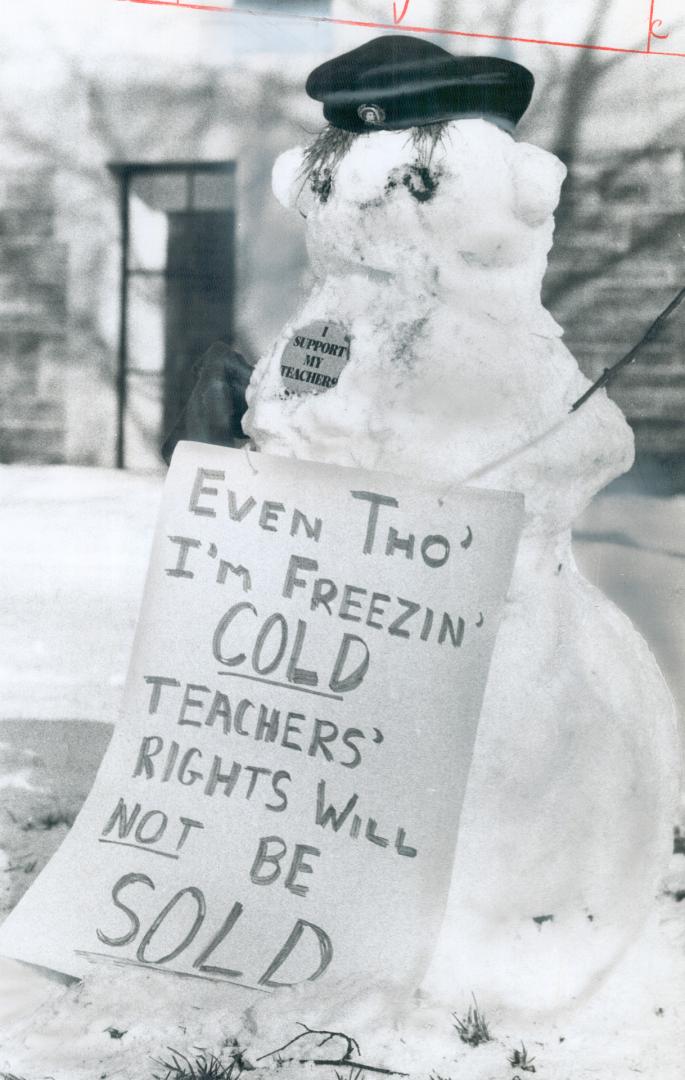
{"x": 552, "y": 921}
{"x": 454, "y": 362}
{"x": 632, "y": 1025}
{"x": 75, "y": 544}
{"x": 631, "y": 545}
{"x": 430, "y": 254}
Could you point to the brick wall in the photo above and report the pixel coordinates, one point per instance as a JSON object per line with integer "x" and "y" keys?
{"x": 33, "y": 320}
{"x": 618, "y": 259}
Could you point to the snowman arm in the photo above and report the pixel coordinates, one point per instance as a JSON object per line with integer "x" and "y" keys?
{"x": 609, "y": 373}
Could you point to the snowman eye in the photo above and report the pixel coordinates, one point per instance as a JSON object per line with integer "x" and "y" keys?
{"x": 321, "y": 183}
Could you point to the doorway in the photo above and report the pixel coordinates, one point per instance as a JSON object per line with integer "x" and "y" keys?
{"x": 177, "y": 286}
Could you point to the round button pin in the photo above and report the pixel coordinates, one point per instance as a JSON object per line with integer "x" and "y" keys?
{"x": 371, "y": 114}
{"x": 312, "y": 360}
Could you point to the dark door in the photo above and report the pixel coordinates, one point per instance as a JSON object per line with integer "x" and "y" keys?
{"x": 199, "y": 297}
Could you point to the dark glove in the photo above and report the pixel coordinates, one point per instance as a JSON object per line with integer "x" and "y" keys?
{"x": 214, "y": 411}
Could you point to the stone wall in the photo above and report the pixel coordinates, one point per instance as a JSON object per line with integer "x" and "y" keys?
{"x": 617, "y": 261}
{"x": 33, "y": 320}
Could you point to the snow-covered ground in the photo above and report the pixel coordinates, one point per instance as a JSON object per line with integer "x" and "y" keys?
{"x": 119, "y": 1022}
{"x": 75, "y": 544}
{"x": 74, "y": 551}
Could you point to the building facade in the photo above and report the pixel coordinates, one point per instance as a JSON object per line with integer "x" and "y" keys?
{"x": 205, "y": 251}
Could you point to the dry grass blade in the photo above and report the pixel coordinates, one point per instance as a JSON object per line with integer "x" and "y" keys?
{"x": 472, "y": 1028}
{"x": 202, "y": 1066}
{"x": 520, "y": 1060}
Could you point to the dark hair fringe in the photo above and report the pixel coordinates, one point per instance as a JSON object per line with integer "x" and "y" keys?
{"x": 322, "y": 158}
{"x": 425, "y": 140}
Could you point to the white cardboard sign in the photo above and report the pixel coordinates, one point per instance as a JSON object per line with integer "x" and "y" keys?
{"x": 280, "y": 799}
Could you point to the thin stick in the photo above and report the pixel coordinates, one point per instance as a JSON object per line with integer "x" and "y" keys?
{"x": 352, "y": 1044}
{"x": 609, "y": 373}
{"x": 353, "y": 1065}
{"x": 345, "y": 1060}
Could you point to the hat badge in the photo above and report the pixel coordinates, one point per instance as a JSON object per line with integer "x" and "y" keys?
{"x": 371, "y": 114}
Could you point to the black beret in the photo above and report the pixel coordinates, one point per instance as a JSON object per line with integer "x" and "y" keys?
{"x": 400, "y": 81}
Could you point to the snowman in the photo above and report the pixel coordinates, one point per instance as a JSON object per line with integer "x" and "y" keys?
{"x": 423, "y": 349}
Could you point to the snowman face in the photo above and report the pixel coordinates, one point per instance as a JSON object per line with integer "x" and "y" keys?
{"x": 432, "y": 261}
{"x": 407, "y": 207}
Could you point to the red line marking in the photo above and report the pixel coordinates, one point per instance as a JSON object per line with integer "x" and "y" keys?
{"x": 191, "y": 7}
{"x": 398, "y": 18}
{"x": 368, "y": 25}
{"x": 650, "y": 25}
